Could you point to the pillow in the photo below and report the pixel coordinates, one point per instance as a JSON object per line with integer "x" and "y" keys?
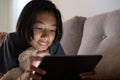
{"x": 102, "y": 36}
{"x": 72, "y": 34}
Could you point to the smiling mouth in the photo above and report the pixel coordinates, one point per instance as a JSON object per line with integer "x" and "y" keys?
{"x": 42, "y": 43}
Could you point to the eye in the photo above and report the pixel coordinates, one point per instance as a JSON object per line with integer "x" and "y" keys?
{"x": 39, "y": 29}
{"x": 52, "y": 30}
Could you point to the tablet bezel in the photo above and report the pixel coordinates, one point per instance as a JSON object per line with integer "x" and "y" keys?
{"x": 75, "y": 64}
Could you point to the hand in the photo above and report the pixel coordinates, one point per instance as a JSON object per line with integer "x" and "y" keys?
{"x": 38, "y": 70}
{"x": 2, "y": 35}
{"x": 88, "y": 75}
{"x": 36, "y": 60}
{"x": 29, "y": 73}
{"x": 43, "y": 53}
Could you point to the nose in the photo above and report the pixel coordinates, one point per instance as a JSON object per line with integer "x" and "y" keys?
{"x": 45, "y": 35}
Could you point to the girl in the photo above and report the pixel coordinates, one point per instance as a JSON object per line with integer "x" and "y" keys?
{"x": 39, "y": 26}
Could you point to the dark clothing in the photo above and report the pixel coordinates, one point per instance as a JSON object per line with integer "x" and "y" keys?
{"x": 13, "y": 45}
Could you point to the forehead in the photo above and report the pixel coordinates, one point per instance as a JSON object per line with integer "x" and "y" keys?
{"x": 46, "y": 17}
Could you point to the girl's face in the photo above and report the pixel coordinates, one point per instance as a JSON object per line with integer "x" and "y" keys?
{"x": 44, "y": 30}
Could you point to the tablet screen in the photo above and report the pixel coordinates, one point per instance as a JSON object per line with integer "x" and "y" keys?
{"x": 57, "y": 66}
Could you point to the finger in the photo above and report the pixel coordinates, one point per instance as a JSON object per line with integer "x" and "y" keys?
{"x": 36, "y": 77}
{"x": 38, "y": 70}
{"x": 43, "y": 54}
{"x": 35, "y": 58}
{"x": 88, "y": 75}
{"x": 2, "y": 34}
{"x": 38, "y": 58}
{"x": 43, "y": 51}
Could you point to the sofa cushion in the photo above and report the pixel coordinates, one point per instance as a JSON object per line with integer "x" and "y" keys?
{"x": 101, "y": 35}
{"x": 72, "y": 34}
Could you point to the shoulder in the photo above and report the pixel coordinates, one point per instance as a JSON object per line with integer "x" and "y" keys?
{"x": 56, "y": 49}
{"x": 13, "y": 44}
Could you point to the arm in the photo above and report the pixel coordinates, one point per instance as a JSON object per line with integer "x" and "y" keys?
{"x": 32, "y": 67}
{"x": 54, "y": 49}
{"x": 10, "y": 50}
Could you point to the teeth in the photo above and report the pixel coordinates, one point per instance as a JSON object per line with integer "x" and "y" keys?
{"x": 43, "y": 43}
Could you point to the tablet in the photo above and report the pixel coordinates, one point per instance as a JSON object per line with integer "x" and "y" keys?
{"x": 61, "y": 66}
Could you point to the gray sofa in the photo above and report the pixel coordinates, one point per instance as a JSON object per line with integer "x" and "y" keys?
{"x": 99, "y": 34}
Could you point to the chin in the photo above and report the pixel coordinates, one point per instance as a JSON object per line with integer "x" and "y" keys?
{"x": 41, "y": 49}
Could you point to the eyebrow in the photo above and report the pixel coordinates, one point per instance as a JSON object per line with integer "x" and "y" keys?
{"x": 44, "y": 23}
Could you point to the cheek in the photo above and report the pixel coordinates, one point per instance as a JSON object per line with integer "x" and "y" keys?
{"x": 52, "y": 37}
{"x": 33, "y": 43}
{"x": 36, "y": 36}
{"x": 34, "y": 40}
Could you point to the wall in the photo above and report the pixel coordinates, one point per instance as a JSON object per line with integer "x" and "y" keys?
{"x": 71, "y": 8}
{"x": 68, "y": 8}
{"x": 6, "y": 15}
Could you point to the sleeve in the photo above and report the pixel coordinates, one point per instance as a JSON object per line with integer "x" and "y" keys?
{"x": 56, "y": 49}
{"x": 24, "y": 61}
{"x": 6, "y": 60}
{"x": 10, "y": 48}
{"x": 24, "y": 58}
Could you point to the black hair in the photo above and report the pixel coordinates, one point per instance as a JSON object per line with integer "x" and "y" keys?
{"x": 25, "y": 22}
